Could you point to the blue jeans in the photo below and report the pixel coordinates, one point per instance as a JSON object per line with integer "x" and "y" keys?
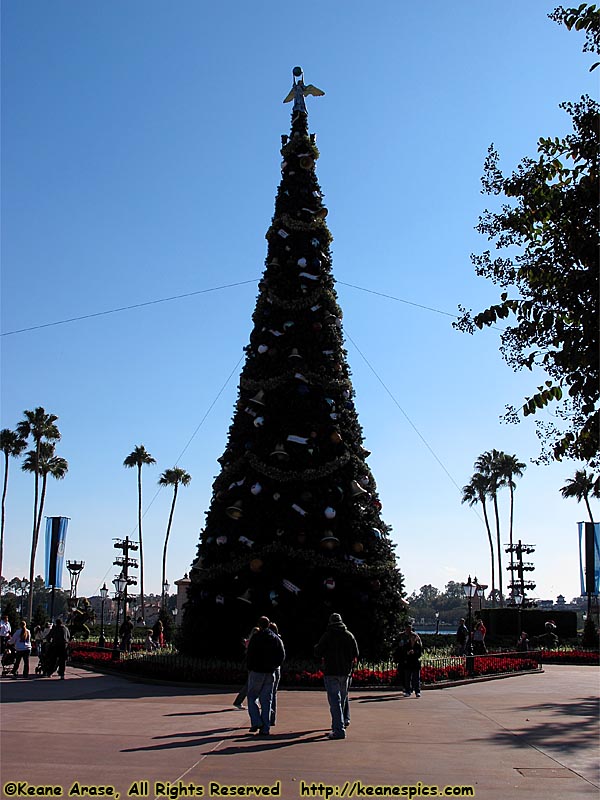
{"x": 277, "y": 678}
{"x": 337, "y": 695}
{"x": 260, "y": 695}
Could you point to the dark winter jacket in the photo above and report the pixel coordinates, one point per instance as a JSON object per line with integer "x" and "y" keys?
{"x": 265, "y": 652}
{"x": 414, "y": 651}
{"x": 338, "y": 648}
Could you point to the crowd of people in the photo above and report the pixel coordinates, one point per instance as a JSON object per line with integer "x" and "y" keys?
{"x": 51, "y": 645}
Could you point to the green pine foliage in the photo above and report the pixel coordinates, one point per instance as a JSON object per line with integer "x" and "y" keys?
{"x": 294, "y": 529}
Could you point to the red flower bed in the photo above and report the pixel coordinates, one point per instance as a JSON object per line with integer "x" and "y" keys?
{"x": 172, "y": 667}
{"x": 571, "y": 657}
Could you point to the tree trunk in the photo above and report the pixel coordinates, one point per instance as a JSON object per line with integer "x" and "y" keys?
{"x": 499, "y": 548}
{"x": 587, "y": 503}
{"x": 510, "y": 533}
{"x": 164, "y": 560}
{"x": 34, "y": 545}
{"x": 491, "y": 541}
{"x": 3, "y": 508}
{"x": 34, "y": 538}
{"x": 143, "y": 611}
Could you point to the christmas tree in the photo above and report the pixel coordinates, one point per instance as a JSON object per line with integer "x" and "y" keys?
{"x": 294, "y": 529}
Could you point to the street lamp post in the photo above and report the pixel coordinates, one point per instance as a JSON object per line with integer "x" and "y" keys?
{"x": 518, "y": 598}
{"x": 165, "y": 595}
{"x": 103, "y": 595}
{"x": 119, "y": 583}
{"x": 470, "y": 590}
{"x": 437, "y": 622}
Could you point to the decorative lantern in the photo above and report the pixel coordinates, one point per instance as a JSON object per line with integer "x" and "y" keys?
{"x": 280, "y": 453}
{"x": 259, "y": 398}
{"x": 356, "y": 489}
{"x": 329, "y": 541}
{"x": 235, "y": 511}
{"x": 256, "y": 565}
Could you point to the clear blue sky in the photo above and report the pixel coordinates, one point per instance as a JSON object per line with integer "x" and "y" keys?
{"x": 140, "y": 161}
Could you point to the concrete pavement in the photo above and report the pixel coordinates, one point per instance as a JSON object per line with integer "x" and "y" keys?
{"x": 533, "y": 736}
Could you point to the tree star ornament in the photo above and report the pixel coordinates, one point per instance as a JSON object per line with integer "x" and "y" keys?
{"x": 299, "y": 91}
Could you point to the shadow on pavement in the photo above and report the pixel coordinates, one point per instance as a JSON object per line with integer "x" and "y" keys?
{"x": 560, "y": 735}
{"x": 267, "y": 743}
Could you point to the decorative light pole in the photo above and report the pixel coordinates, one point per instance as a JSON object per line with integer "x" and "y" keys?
{"x": 519, "y": 599}
{"x": 470, "y": 590}
{"x": 437, "y": 622}
{"x": 165, "y": 595}
{"x": 24, "y": 584}
{"x": 120, "y": 585}
{"x": 103, "y": 595}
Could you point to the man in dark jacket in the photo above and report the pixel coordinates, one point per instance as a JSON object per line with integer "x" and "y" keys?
{"x": 59, "y": 638}
{"x": 338, "y": 649}
{"x": 265, "y": 653}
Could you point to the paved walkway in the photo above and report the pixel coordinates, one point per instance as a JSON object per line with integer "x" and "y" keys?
{"x": 531, "y": 736}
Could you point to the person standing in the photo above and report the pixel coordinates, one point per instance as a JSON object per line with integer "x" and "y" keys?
{"x": 5, "y": 632}
{"x": 462, "y": 637}
{"x": 275, "y": 629}
{"x": 21, "y": 640}
{"x": 479, "y": 648}
{"x": 339, "y": 650}
{"x": 523, "y": 643}
{"x": 158, "y": 635}
{"x": 243, "y": 692}
{"x": 264, "y": 655}
{"x": 126, "y": 632}
{"x": 59, "y": 641}
{"x": 414, "y": 650}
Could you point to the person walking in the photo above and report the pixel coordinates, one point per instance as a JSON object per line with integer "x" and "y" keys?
{"x": 339, "y": 650}
{"x": 21, "y": 640}
{"x": 412, "y": 665}
{"x": 265, "y": 653}
{"x": 5, "y": 633}
{"x": 59, "y": 638}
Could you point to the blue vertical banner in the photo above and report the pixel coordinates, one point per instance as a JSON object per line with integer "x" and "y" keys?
{"x": 589, "y": 557}
{"x": 56, "y": 539}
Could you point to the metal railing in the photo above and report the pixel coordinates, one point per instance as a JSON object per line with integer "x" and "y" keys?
{"x": 172, "y": 666}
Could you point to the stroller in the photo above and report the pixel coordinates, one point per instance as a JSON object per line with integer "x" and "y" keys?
{"x": 48, "y": 661}
{"x": 8, "y": 660}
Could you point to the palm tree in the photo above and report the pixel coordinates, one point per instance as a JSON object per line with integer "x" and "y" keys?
{"x": 44, "y": 462}
{"x": 510, "y": 467}
{"x": 488, "y": 464}
{"x": 476, "y": 492}
{"x": 137, "y": 458}
{"x": 171, "y": 477}
{"x": 41, "y": 427}
{"x": 582, "y": 486}
{"x": 13, "y": 445}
